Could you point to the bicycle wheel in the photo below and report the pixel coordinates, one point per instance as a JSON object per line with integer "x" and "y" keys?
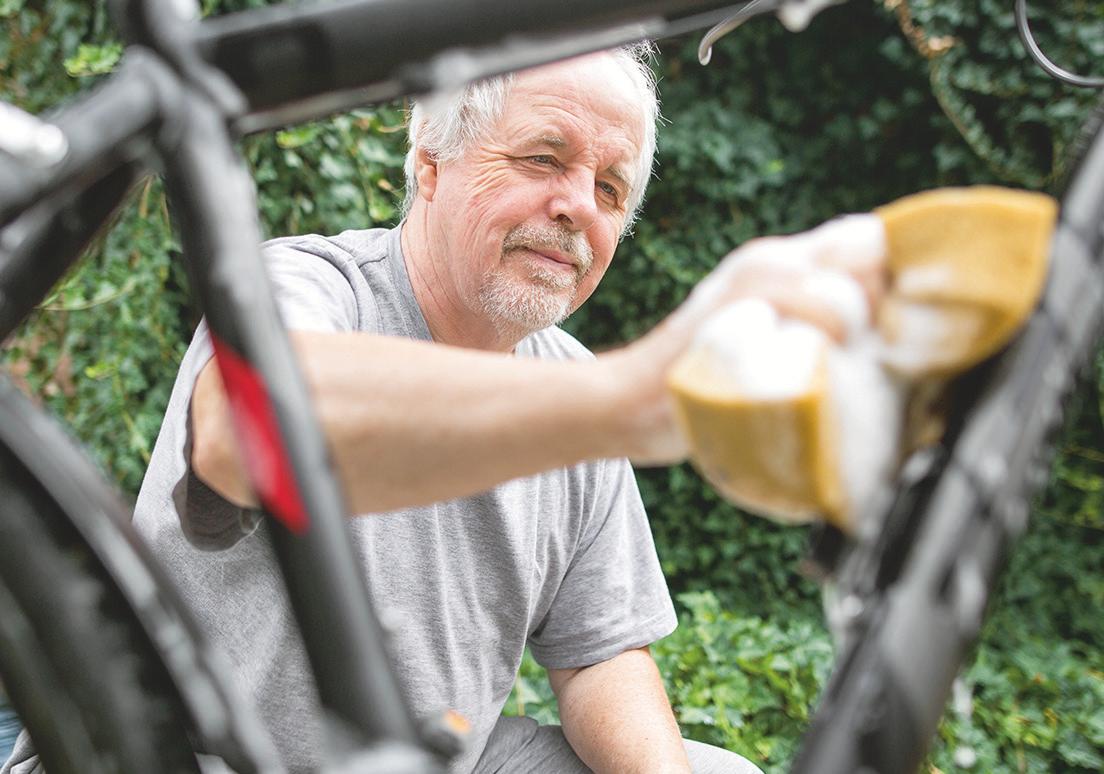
{"x": 77, "y": 666}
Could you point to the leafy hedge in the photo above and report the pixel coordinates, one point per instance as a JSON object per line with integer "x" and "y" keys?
{"x": 875, "y": 100}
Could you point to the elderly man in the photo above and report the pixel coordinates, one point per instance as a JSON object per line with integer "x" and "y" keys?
{"x": 439, "y": 375}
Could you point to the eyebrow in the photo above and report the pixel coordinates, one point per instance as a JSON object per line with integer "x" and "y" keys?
{"x": 619, "y": 176}
{"x": 551, "y": 141}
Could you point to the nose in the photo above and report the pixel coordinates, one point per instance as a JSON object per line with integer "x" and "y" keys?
{"x": 572, "y": 202}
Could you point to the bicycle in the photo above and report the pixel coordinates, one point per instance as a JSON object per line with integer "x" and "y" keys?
{"x": 113, "y": 606}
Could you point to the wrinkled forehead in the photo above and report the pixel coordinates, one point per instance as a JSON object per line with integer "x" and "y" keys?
{"x": 591, "y": 99}
{"x": 598, "y": 85}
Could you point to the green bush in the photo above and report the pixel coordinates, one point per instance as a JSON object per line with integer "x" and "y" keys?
{"x": 780, "y": 132}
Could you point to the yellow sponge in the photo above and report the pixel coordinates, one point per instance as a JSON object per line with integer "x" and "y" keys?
{"x": 964, "y": 269}
{"x": 773, "y": 456}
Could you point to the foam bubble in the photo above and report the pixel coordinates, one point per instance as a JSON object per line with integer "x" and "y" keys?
{"x": 759, "y": 354}
{"x": 923, "y": 335}
{"x": 869, "y": 409}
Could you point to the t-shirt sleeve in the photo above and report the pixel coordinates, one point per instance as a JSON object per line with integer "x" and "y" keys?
{"x": 613, "y": 596}
{"x": 311, "y": 294}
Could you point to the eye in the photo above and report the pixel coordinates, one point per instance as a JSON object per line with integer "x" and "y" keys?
{"x": 543, "y": 160}
{"x": 609, "y": 189}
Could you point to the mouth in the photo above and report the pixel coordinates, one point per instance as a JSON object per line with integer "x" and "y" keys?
{"x": 554, "y": 259}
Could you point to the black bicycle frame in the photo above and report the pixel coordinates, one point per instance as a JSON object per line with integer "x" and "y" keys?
{"x": 186, "y": 90}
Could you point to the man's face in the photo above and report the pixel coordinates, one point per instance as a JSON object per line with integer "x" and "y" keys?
{"x": 531, "y": 214}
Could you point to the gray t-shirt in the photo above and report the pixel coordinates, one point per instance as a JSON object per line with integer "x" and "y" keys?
{"x": 562, "y": 561}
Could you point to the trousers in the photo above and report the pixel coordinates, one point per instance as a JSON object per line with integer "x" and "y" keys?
{"x": 522, "y": 746}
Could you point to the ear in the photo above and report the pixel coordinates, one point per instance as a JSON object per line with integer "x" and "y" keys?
{"x": 425, "y": 172}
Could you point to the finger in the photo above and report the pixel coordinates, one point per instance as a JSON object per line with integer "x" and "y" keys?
{"x": 809, "y": 308}
{"x": 856, "y": 245}
{"x": 829, "y": 277}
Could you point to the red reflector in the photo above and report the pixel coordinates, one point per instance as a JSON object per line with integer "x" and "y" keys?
{"x": 255, "y": 423}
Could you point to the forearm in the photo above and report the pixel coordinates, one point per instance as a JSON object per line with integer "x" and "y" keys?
{"x": 617, "y": 718}
{"x": 410, "y": 422}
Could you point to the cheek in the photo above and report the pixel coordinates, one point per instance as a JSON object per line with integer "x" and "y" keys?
{"x": 603, "y": 256}
{"x": 475, "y": 208}
{"x": 603, "y": 241}
{"x": 493, "y": 193}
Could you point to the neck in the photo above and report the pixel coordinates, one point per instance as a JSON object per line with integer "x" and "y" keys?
{"x": 450, "y": 318}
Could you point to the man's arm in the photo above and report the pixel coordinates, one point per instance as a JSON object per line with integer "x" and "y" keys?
{"x": 410, "y": 422}
{"x": 617, "y": 718}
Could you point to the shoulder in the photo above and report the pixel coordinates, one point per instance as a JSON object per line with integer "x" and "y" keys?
{"x": 320, "y": 281}
{"x": 554, "y": 344}
{"x": 356, "y": 246}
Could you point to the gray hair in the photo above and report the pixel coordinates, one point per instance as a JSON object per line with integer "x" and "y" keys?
{"x": 446, "y": 128}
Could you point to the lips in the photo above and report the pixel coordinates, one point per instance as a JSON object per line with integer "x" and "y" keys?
{"x": 557, "y": 257}
{"x": 548, "y": 268}
{"x": 552, "y": 260}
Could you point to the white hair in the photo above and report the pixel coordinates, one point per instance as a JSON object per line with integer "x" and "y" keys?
{"x": 446, "y": 128}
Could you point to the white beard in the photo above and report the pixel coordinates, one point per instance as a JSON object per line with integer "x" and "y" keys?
{"x": 525, "y": 294}
{"x": 531, "y": 304}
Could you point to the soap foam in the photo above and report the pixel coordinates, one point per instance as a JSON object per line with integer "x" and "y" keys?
{"x": 923, "y": 335}
{"x": 762, "y": 356}
{"x": 869, "y": 408}
{"x": 925, "y": 279}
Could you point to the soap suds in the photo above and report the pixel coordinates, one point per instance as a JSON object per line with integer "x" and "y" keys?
{"x": 761, "y": 355}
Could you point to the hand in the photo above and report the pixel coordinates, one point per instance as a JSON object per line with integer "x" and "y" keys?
{"x": 831, "y": 277}
{"x": 803, "y": 276}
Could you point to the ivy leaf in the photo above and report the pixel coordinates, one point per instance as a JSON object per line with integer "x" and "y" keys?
{"x": 94, "y": 59}
{"x": 298, "y": 136}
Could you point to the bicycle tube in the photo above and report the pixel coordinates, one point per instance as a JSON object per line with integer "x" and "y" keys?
{"x": 294, "y": 63}
{"x": 45, "y": 477}
{"x": 107, "y": 128}
{"x": 50, "y": 238}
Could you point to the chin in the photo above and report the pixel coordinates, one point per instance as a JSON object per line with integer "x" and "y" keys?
{"x": 529, "y": 306}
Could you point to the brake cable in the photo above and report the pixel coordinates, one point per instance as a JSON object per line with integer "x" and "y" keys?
{"x": 794, "y": 14}
{"x": 1051, "y": 69}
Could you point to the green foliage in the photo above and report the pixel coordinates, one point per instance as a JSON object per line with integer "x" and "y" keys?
{"x": 532, "y": 695}
{"x": 779, "y": 133}
{"x": 743, "y": 683}
{"x": 1038, "y": 675}
{"x": 102, "y": 349}
{"x": 330, "y": 176}
{"x": 94, "y": 60}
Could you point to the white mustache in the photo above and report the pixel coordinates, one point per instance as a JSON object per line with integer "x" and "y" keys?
{"x": 558, "y": 238}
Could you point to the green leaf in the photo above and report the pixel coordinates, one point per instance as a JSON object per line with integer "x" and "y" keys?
{"x": 297, "y": 136}
{"x": 94, "y": 59}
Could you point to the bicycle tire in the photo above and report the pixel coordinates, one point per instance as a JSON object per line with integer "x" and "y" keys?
{"x": 79, "y": 670}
